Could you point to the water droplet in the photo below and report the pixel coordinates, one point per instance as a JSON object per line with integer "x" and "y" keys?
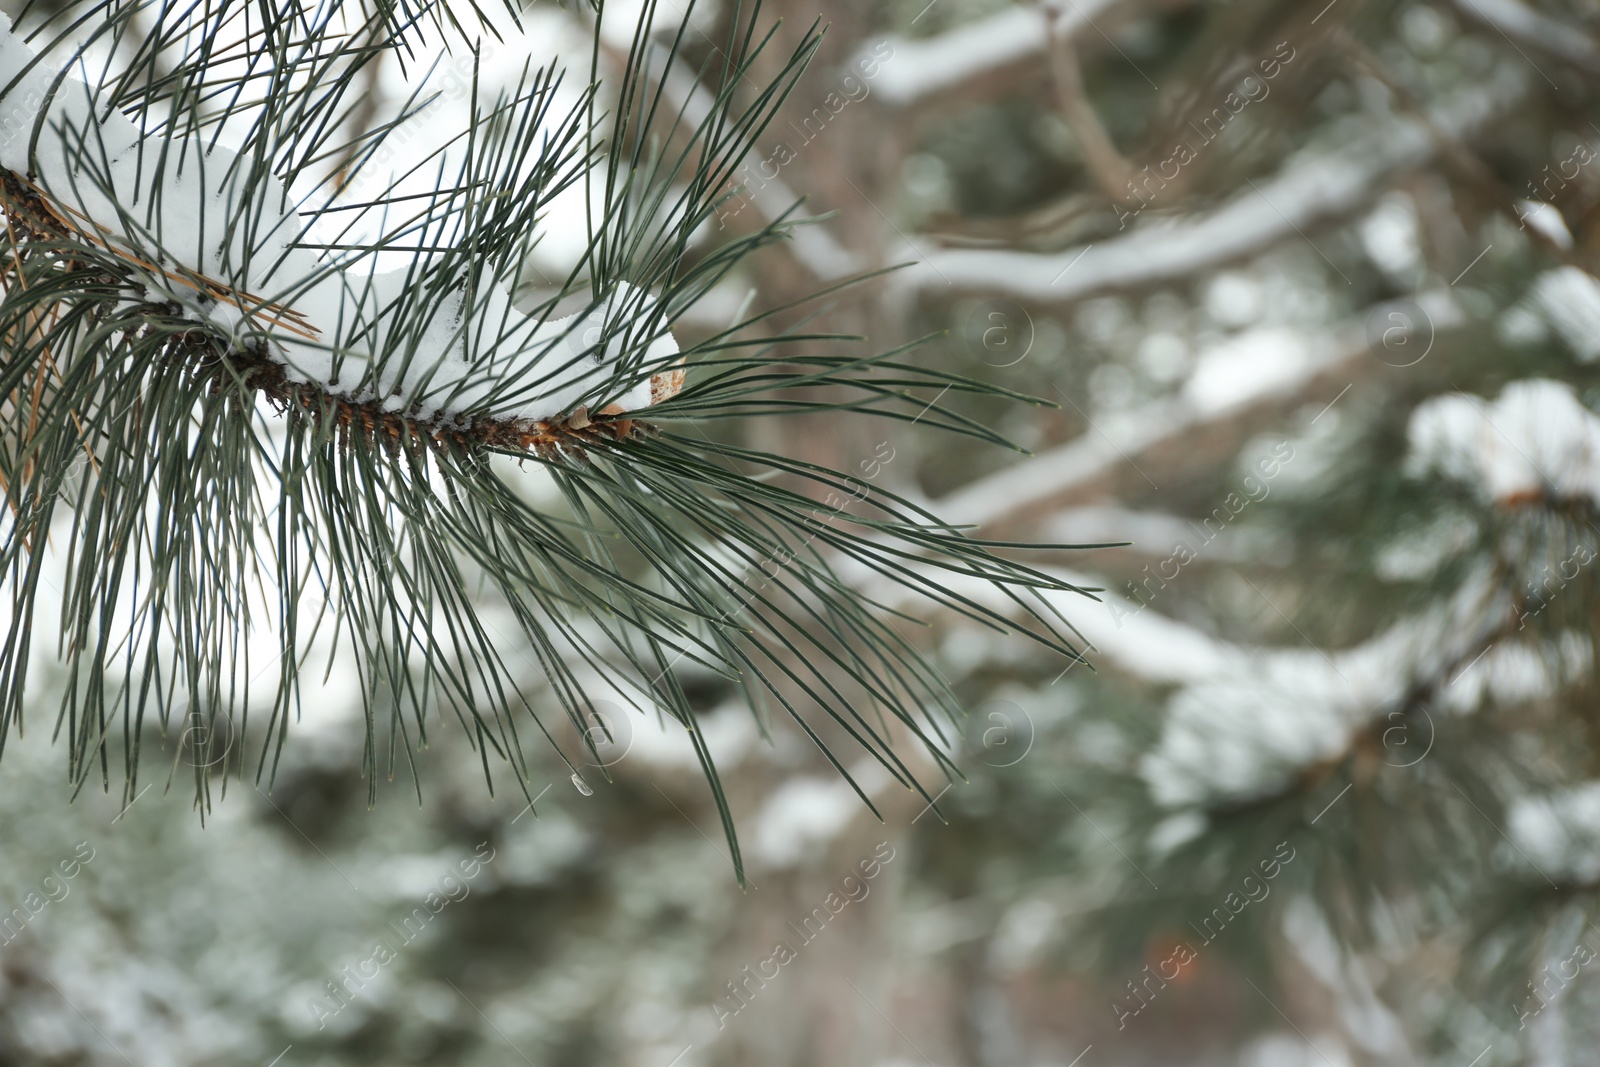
{"x": 583, "y": 787}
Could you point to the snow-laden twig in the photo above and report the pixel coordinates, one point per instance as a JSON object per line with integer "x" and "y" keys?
{"x": 1536, "y": 440}
{"x": 925, "y": 67}
{"x": 213, "y": 232}
{"x": 1295, "y": 368}
{"x": 1244, "y": 721}
{"x": 1321, "y": 185}
{"x": 1242, "y": 734}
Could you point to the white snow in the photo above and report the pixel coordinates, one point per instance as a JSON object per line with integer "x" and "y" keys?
{"x": 1247, "y": 732}
{"x": 805, "y": 814}
{"x": 1547, "y": 220}
{"x": 1512, "y": 673}
{"x": 1164, "y": 356}
{"x": 1023, "y": 934}
{"x": 1391, "y": 235}
{"x": 1151, "y": 533}
{"x": 1535, "y": 438}
{"x": 1247, "y": 366}
{"x": 1175, "y": 831}
{"x": 1235, "y": 299}
{"x": 1321, "y": 184}
{"x": 1288, "y": 1049}
{"x": 1570, "y": 298}
{"x": 729, "y": 732}
{"x": 621, "y": 20}
{"x": 1239, "y": 733}
{"x": 332, "y": 323}
{"x": 1370, "y": 1024}
{"x": 1243, "y": 721}
{"x": 1559, "y": 833}
{"x": 921, "y": 67}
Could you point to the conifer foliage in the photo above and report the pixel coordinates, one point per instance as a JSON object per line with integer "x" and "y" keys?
{"x": 241, "y": 401}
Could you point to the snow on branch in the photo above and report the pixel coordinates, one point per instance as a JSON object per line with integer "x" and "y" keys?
{"x": 1244, "y": 721}
{"x": 1321, "y": 185}
{"x": 1240, "y": 734}
{"x": 1265, "y": 368}
{"x": 1150, "y": 532}
{"x": 211, "y": 231}
{"x": 1533, "y": 443}
{"x": 925, "y": 67}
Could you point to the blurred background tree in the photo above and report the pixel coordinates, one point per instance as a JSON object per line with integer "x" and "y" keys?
{"x": 1312, "y": 287}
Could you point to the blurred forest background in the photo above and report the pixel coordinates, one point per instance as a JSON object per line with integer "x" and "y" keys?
{"x": 1310, "y": 285}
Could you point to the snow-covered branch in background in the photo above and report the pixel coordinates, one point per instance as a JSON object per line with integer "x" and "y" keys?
{"x": 1248, "y": 721}
{"x": 211, "y": 231}
{"x": 1244, "y": 721}
{"x": 928, "y": 66}
{"x": 1264, "y": 366}
{"x": 1241, "y": 734}
{"x": 1148, "y": 532}
{"x": 1322, "y": 185}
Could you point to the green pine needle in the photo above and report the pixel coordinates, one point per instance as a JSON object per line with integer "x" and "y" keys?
{"x": 196, "y": 493}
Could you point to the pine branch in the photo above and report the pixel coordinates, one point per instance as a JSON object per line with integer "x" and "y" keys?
{"x": 225, "y": 422}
